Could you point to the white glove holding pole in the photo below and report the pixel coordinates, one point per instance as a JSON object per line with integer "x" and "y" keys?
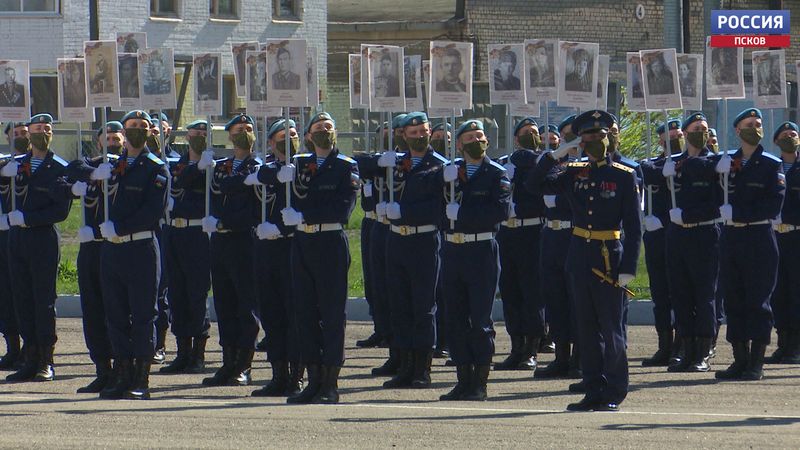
{"x": 652, "y": 223}
{"x": 102, "y": 172}
{"x": 252, "y": 179}
{"x": 209, "y": 224}
{"x": 107, "y": 230}
{"x": 512, "y": 213}
{"x": 206, "y": 160}
{"x": 286, "y": 174}
{"x": 380, "y": 209}
{"x": 4, "y": 225}
{"x": 726, "y": 212}
{"x": 79, "y": 189}
{"x": 777, "y": 221}
{"x": 549, "y": 201}
{"x": 388, "y": 159}
{"x": 669, "y": 169}
{"x": 676, "y": 216}
{"x": 85, "y": 234}
{"x": 10, "y": 169}
{"x": 450, "y": 173}
{"x": 170, "y": 203}
{"x": 15, "y": 218}
{"x": 511, "y": 169}
{"x": 393, "y": 210}
{"x": 291, "y": 217}
{"x": 724, "y": 165}
{"x": 367, "y": 189}
{"x": 452, "y": 211}
{"x": 624, "y": 279}
{"x": 266, "y": 230}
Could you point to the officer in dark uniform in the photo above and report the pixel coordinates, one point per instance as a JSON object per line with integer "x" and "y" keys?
{"x": 471, "y": 263}
{"x": 137, "y": 200}
{"x": 233, "y": 216}
{"x": 33, "y": 247}
{"x": 518, "y": 240}
{"x": 786, "y": 298}
{"x": 603, "y": 195}
{"x": 441, "y": 136}
{"x": 272, "y": 262}
{"x": 18, "y": 133}
{"x": 187, "y": 256}
{"x": 748, "y": 249}
{"x": 95, "y": 331}
{"x": 657, "y": 205}
{"x": 324, "y": 186}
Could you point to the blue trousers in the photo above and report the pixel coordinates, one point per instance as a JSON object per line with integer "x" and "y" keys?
{"x": 272, "y": 260}
{"x": 189, "y": 267}
{"x": 381, "y": 308}
{"x": 556, "y": 288}
{"x": 523, "y": 303}
{"x": 232, "y": 278}
{"x": 786, "y": 298}
{"x": 164, "y": 314}
{"x": 95, "y": 330}
{"x": 655, "y": 258}
{"x": 366, "y": 244}
{"x": 8, "y": 317}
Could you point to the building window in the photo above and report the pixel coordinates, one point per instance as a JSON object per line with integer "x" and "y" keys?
{"x": 286, "y": 9}
{"x": 164, "y": 8}
{"x": 43, "y": 7}
{"x": 224, "y": 9}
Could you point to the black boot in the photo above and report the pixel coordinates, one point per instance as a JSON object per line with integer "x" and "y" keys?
{"x": 12, "y": 352}
{"x": 477, "y": 391}
{"x": 197, "y": 359}
{"x": 28, "y": 371}
{"x": 514, "y": 360}
{"x": 755, "y": 365}
{"x": 662, "y": 355}
{"x": 777, "y": 355}
{"x": 405, "y": 373}
{"x": 578, "y": 388}
{"x": 140, "y": 387}
{"x": 312, "y": 387}
{"x": 546, "y": 344}
{"x": 329, "y": 390}
{"x": 44, "y": 370}
{"x": 102, "y": 368}
{"x": 575, "y": 371}
{"x": 422, "y": 369}
{"x": 702, "y": 353}
{"x": 181, "y": 361}
{"x": 792, "y": 353}
{"x": 224, "y": 373}
{"x": 678, "y": 350}
{"x": 559, "y": 367}
{"x": 160, "y": 356}
{"x": 688, "y": 345}
{"x": 741, "y": 355}
{"x": 278, "y": 385}
{"x": 122, "y": 380}
{"x": 242, "y": 368}
{"x": 529, "y": 353}
{"x": 295, "y": 384}
{"x": 373, "y": 341}
{"x": 464, "y": 377}
{"x": 713, "y": 352}
{"x": 389, "y": 367}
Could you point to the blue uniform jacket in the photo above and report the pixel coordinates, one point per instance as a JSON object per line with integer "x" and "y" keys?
{"x": 367, "y": 203}
{"x": 756, "y": 189}
{"x": 790, "y": 213}
{"x": 697, "y": 188}
{"x": 657, "y": 199}
{"x": 276, "y": 193}
{"x": 93, "y": 200}
{"x": 38, "y": 193}
{"x": 484, "y": 198}
{"x": 188, "y": 190}
{"x": 528, "y": 203}
{"x": 234, "y": 203}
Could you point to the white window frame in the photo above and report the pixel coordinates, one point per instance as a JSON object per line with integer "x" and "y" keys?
{"x": 214, "y": 10}
{"x": 165, "y": 15}
{"x": 56, "y": 11}
{"x": 296, "y": 17}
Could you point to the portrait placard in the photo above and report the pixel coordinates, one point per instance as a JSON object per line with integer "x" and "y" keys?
{"x": 724, "y": 72}
{"x": 128, "y": 64}
{"x": 661, "y": 87}
{"x": 101, "y": 73}
{"x": 157, "y": 78}
{"x": 506, "y": 66}
{"x": 287, "y": 79}
{"x": 313, "y": 77}
{"x": 386, "y": 80}
{"x": 207, "y": 84}
{"x": 541, "y": 69}
{"x": 635, "y": 89}
{"x": 355, "y": 80}
{"x": 72, "y": 103}
{"x": 413, "y": 82}
{"x": 435, "y": 113}
{"x": 690, "y": 79}
{"x": 256, "y": 83}
{"x": 769, "y": 79}
{"x": 577, "y": 74}
{"x": 451, "y": 75}
{"x": 131, "y": 42}
{"x": 602, "y": 82}
{"x": 239, "y": 51}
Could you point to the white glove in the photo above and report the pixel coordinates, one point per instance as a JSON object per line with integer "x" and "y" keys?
{"x": 291, "y": 217}
{"x": 550, "y": 201}
{"x": 450, "y": 173}
{"x": 652, "y": 223}
{"x": 4, "y": 226}
{"x": 15, "y": 218}
{"x": 209, "y": 224}
{"x": 388, "y": 159}
{"x": 676, "y": 216}
{"x": 206, "y": 160}
{"x": 170, "y": 203}
{"x": 510, "y": 170}
{"x": 252, "y": 179}
{"x": 367, "y": 189}
{"x": 393, "y": 210}
{"x": 286, "y": 174}
{"x": 266, "y": 230}
{"x": 778, "y": 220}
{"x": 79, "y": 189}
{"x": 85, "y": 234}
{"x": 452, "y": 211}
{"x": 724, "y": 164}
{"x": 107, "y": 230}
{"x": 726, "y": 212}
{"x": 380, "y": 209}
{"x": 10, "y": 169}
{"x": 669, "y": 169}
{"x": 512, "y": 210}
{"x": 624, "y": 279}
{"x": 563, "y": 149}
{"x": 102, "y": 172}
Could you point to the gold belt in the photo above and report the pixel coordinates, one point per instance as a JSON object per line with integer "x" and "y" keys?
{"x": 597, "y": 235}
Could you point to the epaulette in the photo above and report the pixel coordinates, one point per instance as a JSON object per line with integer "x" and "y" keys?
{"x": 344, "y": 157}
{"x": 303, "y": 155}
{"x": 440, "y": 158}
{"x": 59, "y": 160}
{"x": 258, "y": 160}
{"x": 497, "y": 165}
{"x": 155, "y": 159}
{"x": 502, "y": 159}
{"x": 20, "y": 157}
{"x": 622, "y": 167}
{"x": 112, "y": 157}
{"x": 770, "y": 156}
{"x": 578, "y": 164}
{"x": 173, "y": 160}
{"x": 629, "y": 162}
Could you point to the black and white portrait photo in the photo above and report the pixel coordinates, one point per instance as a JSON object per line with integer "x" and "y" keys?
{"x": 128, "y": 75}
{"x": 387, "y": 90}
{"x": 661, "y": 88}
{"x": 687, "y": 75}
{"x": 12, "y": 93}
{"x": 72, "y": 104}
{"x": 660, "y": 78}
{"x": 207, "y": 83}
{"x": 769, "y": 79}
{"x": 157, "y": 78}
{"x": 239, "y": 50}
{"x": 505, "y": 66}
{"x": 102, "y": 74}
{"x": 724, "y": 67}
{"x": 287, "y": 72}
{"x": 577, "y": 71}
{"x": 451, "y": 74}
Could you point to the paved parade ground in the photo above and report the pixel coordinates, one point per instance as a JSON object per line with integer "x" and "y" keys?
{"x": 663, "y": 410}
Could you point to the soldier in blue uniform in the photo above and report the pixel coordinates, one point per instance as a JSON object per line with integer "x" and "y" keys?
{"x": 137, "y": 200}
{"x": 187, "y": 256}
{"x": 33, "y": 246}
{"x": 471, "y": 264}
{"x": 325, "y": 184}
{"x": 748, "y": 249}
{"x": 692, "y": 245}
{"x": 786, "y": 298}
{"x": 518, "y": 240}
{"x": 272, "y": 262}
{"x": 441, "y": 136}
{"x": 232, "y": 218}
{"x": 603, "y": 195}
{"x": 17, "y": 132}
{"x": 657, "y": 205}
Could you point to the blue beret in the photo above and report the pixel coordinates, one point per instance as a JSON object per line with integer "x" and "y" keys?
{"x": 594, "y": 119}
{"x": 279, "y": 125}
{"x": 749, "y": 112}
{"x": 674, "y": 124}
{"x": 614, "y": 118}
{"x": 41, "y": 118}
{"x": 318, "y": 117}
{"x": 111, "y": 127}
{"x": 15, "y": 125}
{"x": 198, "y": 125}
{"x": 135, "y": 114}
{"x": 441, "y": 126}
{"x": 164, "y": 117}
{"x": 155, "y": 122}
{"x": 414, "y": 118}
{"x": 384, "y": 126}
{"x": 523, "y": 122}
{"x": 553, "y": 129}
{"x": 783, "y": 127}
{"x": 470, "y": 125}
{"x": 696, "y": 117}
{"x": 398, "y": 120}
{"x": 567, "y": 121}
{"x": 241, "y": 118}
{"x": 712, "y": 132}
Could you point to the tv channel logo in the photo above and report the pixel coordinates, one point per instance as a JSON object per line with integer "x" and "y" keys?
{"x": 750, "y": 28}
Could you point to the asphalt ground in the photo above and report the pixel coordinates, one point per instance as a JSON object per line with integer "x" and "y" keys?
{"x": 662, "y": 410}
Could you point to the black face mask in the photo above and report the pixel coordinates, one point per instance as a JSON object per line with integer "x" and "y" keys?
{"x": 154, "y": 143}
{"x": 324, "y": 139}
{"x": 438, "y": 145}
{"x": 419, "y": 144}
{"x": 197, "y": 143}
{"x": 475, "y": 150}
{"x": 21, "y": 144}
{"x": 41, "y": 141}
{"x": 530, "y": 141}
{"x": 294, "y": 145}
{"x": 137, "y": 137}
{"x": 114, "y": 149}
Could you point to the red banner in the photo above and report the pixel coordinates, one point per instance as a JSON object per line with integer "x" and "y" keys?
{"x": 780, "y": 41}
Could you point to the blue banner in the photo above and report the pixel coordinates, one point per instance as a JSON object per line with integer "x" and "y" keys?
{"x": 750, "y": 22}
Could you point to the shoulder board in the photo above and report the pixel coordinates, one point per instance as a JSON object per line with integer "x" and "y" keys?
{"x": 303, "y": 155}
{"x": 459, "y": 160}
{"x": 771, "y": 157}
{"x": 59, "y": 160}
{"x": 502, "y": 159}
{"x": 622, "y": 167}
{"x": 629, "y": 162}
{"x": 155, "y": 159}
{"x": 258, "y": 160}
{"x": 440, "y": 158}
{"x": 578, "y": 164}
{"x": 584, "y": 159}
{"x": 20, "y": 157}
{"x": 112, "y": 157}
{"x": 346, "y": 158}
{"x": 497, "y": 165}
{"x": 173, "y": 160}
